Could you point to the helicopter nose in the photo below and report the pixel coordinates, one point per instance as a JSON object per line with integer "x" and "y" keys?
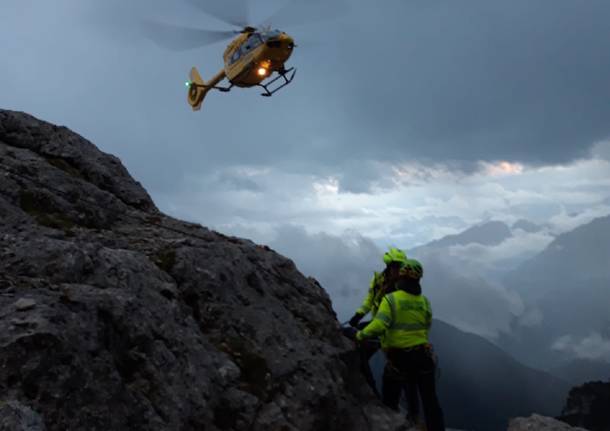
{"x": 287, "y": 41}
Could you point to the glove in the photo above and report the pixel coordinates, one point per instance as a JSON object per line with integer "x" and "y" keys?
{"x": 350, "y": 333}
{"x": 356, "y": 318}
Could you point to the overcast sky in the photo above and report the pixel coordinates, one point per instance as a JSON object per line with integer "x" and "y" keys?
{"x": 404, "y": 123}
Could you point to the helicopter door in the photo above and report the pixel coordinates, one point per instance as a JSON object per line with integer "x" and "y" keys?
{"x": 235, "y": 56}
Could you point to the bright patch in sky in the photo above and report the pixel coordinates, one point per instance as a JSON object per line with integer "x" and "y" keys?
{"x": 324, "y": 188}
{"x": 502, "y": 168}
{"x": 407, "y": 204}
{"x": 593, "y": 346}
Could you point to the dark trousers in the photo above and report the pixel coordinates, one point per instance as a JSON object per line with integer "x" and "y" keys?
{"x": 413, "y": 371}
{"x": 366, "y": 350}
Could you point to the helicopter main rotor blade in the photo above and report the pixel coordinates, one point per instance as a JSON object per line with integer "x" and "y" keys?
{"x": 300, "y": 12}
{"x": 179, "y": 38}
{"x": 234, "y": 12}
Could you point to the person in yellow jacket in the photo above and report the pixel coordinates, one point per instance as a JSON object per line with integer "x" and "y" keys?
{"x": 381, "y": 284}
{"x": 402, "y": 323}
{"x": 394, "y": 259}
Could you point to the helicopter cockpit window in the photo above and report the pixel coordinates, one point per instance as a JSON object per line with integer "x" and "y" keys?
{"x": 235, "y": 56}
{"x": 253, "y": 41}
{"x": 271, "y": 34}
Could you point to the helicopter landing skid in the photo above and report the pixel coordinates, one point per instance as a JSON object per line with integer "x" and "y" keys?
{"x": 288, "y": 77}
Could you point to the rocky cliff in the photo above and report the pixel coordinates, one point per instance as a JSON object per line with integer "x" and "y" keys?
{"x": 588, "y": 406}
{"x": 540, "y": 423}
{"x": 114, "y": 316}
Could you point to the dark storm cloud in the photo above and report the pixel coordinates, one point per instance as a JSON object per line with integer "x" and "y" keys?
{"x": 234, "y": 181}
{"x": 518, "y": 80}
{"x": 433, "y": 81}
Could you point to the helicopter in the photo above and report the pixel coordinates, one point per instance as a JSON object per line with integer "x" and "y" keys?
{"x": 251, "y": 59}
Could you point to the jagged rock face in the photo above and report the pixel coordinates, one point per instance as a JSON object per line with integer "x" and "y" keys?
{"x": 589, "y": 406}
{"x": 17, "y": 417}
{"x": 540, "y": 423}
{"x": 114, "y": 316}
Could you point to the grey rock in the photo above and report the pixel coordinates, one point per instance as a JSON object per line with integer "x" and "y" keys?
{"x": 540, "y": 423}
{"x": 145, "y": 322}
{"x": 588, "y": 406}
{"x": 24, "y": 304}
{"x": 14, "y": 416}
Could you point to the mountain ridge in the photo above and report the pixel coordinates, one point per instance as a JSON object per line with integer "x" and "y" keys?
{"x": 116, "y": 316}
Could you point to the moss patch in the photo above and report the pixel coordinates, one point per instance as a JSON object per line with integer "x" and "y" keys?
{"x": 254, "y": 369}
{"x": 65, "y": 166}
{"x": 41, "y": 208}
{"x": 165, "y": 259}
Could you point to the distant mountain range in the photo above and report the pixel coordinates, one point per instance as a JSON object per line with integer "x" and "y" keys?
{"x": 574, "y": 257}
{"x": 526, "y": 226}
{"x": 479, "y": 380}
{"x": 492, "y": 232}
{"x": 489, "y": 233}
{"x": 475, "y": 243}
{"x": 566, "y": 287}
{"x": 587, "y": 406}
{"x": 569, "y": 284}
{"x": 578, "y": 371}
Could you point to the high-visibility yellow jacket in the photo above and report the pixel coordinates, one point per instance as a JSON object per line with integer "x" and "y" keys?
{"x": 402, "y": 321}
{"x": 374, "y": 296}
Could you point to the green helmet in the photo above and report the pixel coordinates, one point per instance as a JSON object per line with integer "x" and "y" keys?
{"x": 412, "y": 269}
{"x": 395, "y": 255}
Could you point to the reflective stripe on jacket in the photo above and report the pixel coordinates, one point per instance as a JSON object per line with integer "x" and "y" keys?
{"x": 402, "y": 321}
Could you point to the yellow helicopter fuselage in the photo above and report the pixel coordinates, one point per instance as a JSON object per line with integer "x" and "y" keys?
{"x": 249, "y": 59}
{"x": 252, "y": 57}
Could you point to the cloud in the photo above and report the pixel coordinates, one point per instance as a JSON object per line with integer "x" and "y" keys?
{"x": 485, "y": 259}
{"x": 344, "y": 265}
{"x": 502, "y": 81}
{"x": 408, "y": 204}
{"x": 593, "y": 346}
{"x": 601, "y": 150}
{"x": 531, "y": 317}
{"x": 502, "y": 168}
{"x": 564, "y": 222}
{"x": 463, "y": 298}
{"x": 426, "y": 151}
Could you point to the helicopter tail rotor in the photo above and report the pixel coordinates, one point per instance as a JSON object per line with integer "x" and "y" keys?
{"x": 198, "y": 88}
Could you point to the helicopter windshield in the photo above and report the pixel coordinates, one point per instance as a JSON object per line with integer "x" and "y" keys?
{"x": 270, "y": 34}
{"x": 253, "y": 41}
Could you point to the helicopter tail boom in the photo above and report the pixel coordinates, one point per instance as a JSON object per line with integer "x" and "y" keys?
{"x": 198, "y": 88}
